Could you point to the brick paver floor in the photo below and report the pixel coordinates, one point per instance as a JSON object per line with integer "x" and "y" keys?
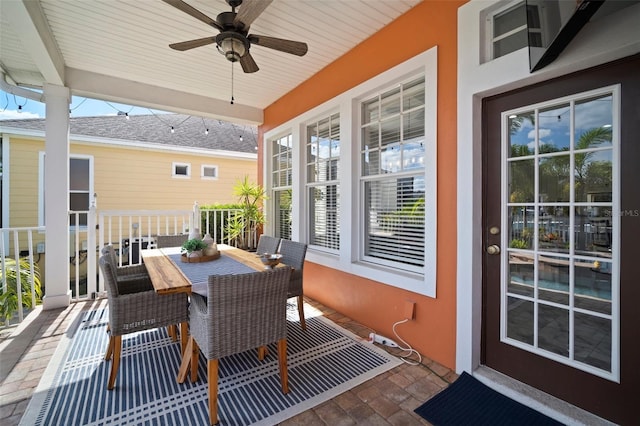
{"x": 387, "y": 399}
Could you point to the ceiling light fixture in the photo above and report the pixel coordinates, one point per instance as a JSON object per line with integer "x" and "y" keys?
{"x": 232, "y": 45}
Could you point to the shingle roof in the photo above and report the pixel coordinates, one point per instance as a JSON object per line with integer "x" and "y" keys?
{"x": 189, "y": 131}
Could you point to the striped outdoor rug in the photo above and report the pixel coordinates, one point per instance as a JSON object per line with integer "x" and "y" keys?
{"x": 324, "y": 361}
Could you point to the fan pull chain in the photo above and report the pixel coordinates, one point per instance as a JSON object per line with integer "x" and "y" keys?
{"x": 232, "y": 83}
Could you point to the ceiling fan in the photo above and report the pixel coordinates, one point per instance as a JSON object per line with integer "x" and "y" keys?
{"x": 234, "y": 40}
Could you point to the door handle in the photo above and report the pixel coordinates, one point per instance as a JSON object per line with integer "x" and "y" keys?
{"x": 493, "y": 249}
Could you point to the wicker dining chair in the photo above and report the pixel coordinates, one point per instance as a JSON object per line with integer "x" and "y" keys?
{"x": 293, "y": 254}
{"x": 242, "y": 312}
{"x": 267, "y": 244}
{"x": 130, "y": 278}
{"x": 132, "y": 312}
{"x": 164, "y": 241}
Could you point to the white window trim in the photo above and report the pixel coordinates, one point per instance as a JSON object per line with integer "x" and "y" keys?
{"x": 207, "y": 166}
{"x": 270, "y": 212}
{"x": 308, "y": 185}
{"x": 41, "y": 155}
{"x": 177, "y": 176}
{"x": 348, "y": 105}
{"x": 486, "y": 25}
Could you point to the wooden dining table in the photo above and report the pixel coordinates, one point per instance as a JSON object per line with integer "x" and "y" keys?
{"x": 170, "y": 274}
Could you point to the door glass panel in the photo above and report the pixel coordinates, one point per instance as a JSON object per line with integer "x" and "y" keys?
{"x": 561, "y": 234}
{"x": 594, "y": 119}
{"x": 553, "y": 229}
{"x": 554, "y": 129}
{"x": 593, "y": 176}
{"x": 554, "y": 178}
{"x": 553, "y": 329}
{"x": 521, "y": 274}
{"x": 521, "y": 181}
{"x": 553, "y": 279}
{"x": 593, "y": 285}
{"x": 593, "y": 340}
{"x": 519, "y": 127}
{"x": 79, "y": 174}
{"x": 521, "y": 226}
{"x": 593, "y": 236}
{"x": 520, "y": 320}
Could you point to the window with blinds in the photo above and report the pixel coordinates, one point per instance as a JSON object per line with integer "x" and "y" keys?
{"x": 281, "y": 169}
{"x": 323, "y": 190}
{"x": 393, "y": 176}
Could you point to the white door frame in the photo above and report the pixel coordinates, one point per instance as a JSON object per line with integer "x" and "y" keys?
{"x": 476, "y": 81}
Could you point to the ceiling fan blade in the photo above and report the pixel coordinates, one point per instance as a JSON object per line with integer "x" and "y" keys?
{"x": 289, "y": 46}
{"x": 248, "y": 63}
{"x": 190, "y": 10}
{"x": 186, "y": 45}
{"x": 249, "y": 11}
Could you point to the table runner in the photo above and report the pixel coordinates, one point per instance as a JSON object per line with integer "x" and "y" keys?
{"x": 198, "y": 272}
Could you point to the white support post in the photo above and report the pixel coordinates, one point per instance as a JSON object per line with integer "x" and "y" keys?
{"x": 56, "y": 197}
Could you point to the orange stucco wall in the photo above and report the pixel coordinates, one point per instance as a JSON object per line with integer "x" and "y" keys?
{"x": 378, "y": 306}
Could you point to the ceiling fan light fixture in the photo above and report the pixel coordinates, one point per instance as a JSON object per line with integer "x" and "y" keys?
{"x": 232, "y": 45}
{"x": 234, "y": 40}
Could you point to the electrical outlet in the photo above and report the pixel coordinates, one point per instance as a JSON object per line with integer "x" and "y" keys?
{"x": 409, "y": 310}
{"x": 40, "y": 247}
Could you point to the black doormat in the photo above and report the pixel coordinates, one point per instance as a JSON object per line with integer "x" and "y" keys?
{"x": 467, "y": 401}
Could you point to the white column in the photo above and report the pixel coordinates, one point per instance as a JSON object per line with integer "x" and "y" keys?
{"x": 56, "y": 197}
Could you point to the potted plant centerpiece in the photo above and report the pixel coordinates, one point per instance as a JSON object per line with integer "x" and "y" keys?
{"x": 192, "y": 248}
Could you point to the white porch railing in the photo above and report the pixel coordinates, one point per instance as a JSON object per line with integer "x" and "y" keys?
{"x": 17, "y": 244}
{"x": 129, "y": 231}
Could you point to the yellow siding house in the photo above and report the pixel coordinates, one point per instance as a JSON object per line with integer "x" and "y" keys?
{"x": 146, "y": 162}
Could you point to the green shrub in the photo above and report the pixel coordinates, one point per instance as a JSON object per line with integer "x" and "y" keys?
{"x": 9, "y": 298}
{"x": 519, "y": 244}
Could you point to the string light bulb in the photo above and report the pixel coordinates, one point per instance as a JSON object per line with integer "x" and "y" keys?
{"x": 173, "y": 130}
{"x": 240, "y": 138}
{"x": 206, "y": 129}
{"x": 16, "y": 101}
{"x": 126, "y": 115}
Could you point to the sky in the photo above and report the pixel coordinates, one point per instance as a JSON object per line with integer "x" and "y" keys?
{"x": 554, "y": 122}
{"x": 16, "y": 107}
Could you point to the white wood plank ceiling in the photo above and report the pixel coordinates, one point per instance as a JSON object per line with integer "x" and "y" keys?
{"x": 118, "y": 50}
